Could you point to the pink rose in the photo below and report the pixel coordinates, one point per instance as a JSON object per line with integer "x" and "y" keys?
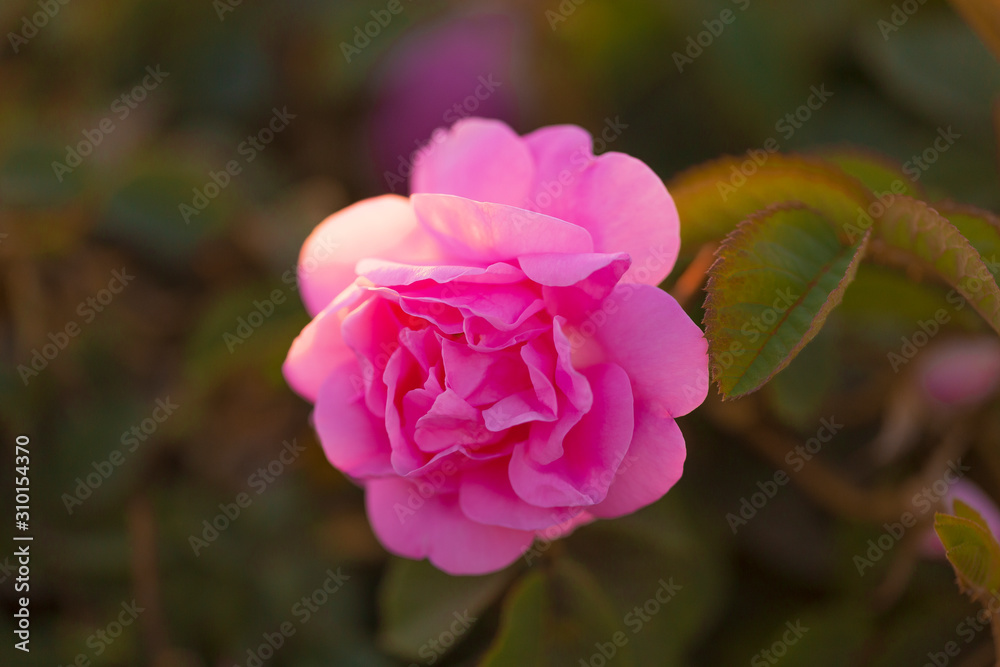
{"x": 491, "y": 358}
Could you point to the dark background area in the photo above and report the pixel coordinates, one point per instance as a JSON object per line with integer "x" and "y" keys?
{"x": 184, "y": 329}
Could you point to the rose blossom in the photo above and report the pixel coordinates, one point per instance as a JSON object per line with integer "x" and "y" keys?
{"x": 491, "y": 358}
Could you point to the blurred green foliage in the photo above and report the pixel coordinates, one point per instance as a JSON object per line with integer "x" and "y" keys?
{"x": 164, "y": 336}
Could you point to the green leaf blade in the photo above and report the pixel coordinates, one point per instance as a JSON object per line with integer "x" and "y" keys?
{"x": 914, "y": 228}
{"x": 712, "y": 198}
{"x": 879, "y": 174}
{"x": 971, "y": 549}
{"x": 417, "y": 602}
{"x": 778, "y": 276}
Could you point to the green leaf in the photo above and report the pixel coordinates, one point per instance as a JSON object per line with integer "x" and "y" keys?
{"x": 418, "y": 602}
{"x": 520, "y": 639}
{"x": 638, "y": 559}
{"x": 144, "y": 213}
{"x": 971, "y": 549}
{"x": 966, "y": 511}
{"x": 713, "y": 197}
{"x": 920, "y": 232}
{"x": 879, "y": 173}
{"x": 777, "y": 277}
{"x": 981, "y": 228}
{"x": 558, "y": 618}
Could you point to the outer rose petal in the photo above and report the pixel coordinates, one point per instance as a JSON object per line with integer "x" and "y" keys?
{"x": 563, "y": 270}
{"x": 438, "y": 530}
{"x": 490, "y": 232}
{"x": 383, "y": 227}
{"x": 617, "y": 198}
{"x": 354, "y": 440}
{"x": 394, "y": 274}
{"x": 649, "y": 335}
{"x": 486, "y": 496}
{"x": 478, "y": 159}
{"x": 319, "y": 349}
{"x": 653, "y": 464}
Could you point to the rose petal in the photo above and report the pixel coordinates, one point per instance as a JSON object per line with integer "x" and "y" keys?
{"x": 319, "y": 348}
{"x": 450, "y": 422}
{"x": 505, "y": 307}
{"x": 394, "y": 274}
{"x": 592, "y": 450}
{"x": 648, "y": 334}
{"x": 562, "y": 270}
{"x": 653, "y": 464}
{"x": 488, "y": 232}
{"x": 617, "y": 198}
{"x": 354, "y": 440}
{"x": 412, "y": 526}
{"x": 383, "y": 227}
{"x": 372, "y": 331}
{"x": 478, "y": 159}
{"x": 486, "y": 496}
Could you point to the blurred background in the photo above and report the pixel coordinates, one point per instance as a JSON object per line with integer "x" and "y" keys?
{"x": 161, "y": 164}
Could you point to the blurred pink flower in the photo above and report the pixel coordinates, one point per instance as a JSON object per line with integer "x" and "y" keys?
{"x": 491, "y": 357}
{"x": 457, "y": 68}
{"x": 961, "y": 372}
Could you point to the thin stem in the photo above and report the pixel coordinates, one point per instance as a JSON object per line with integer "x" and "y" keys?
{"x": 145, "y": 576}
{"x": 690, "y": 282}
{"x": 825, "y": 486}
